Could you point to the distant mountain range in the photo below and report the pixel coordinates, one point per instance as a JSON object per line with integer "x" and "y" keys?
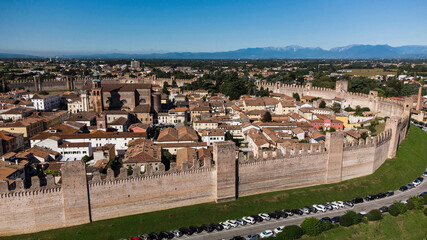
{"x": 289, "y": 52}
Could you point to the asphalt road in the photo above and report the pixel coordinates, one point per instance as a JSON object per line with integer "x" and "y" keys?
{"x": 297, "y": 220}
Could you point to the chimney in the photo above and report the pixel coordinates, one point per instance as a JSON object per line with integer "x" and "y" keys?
{"x": 419, "y": 98}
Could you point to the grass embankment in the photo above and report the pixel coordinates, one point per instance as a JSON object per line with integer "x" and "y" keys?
{"x": 410, "y": 162}
{"x": 411, "y": 225}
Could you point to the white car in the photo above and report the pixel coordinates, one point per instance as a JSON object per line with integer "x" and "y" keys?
{"x": 416, "y": 183}
{"x": 320, "y": 207}
{"x": 233, "y": 223}
{"x": 266, "y": 234}
{"x": 278, "y": 229}
{"x": 334, "y": 206}
{"x": 250, "y": 220}
{"x": 225, "y": 225}
{"x": 264, "y": 216}
{"x": 339, "y": 203}
{"x": 241, "y": 222}
{"x": 305, "y": 210}
{"x": 363, "y": 213}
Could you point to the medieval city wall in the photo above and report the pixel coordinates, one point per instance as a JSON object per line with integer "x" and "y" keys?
{"x": 274, "y": 174}
{"x": 138, "y": 194}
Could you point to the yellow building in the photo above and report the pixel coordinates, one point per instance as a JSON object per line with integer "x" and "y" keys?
{"x": 29, "y": 126}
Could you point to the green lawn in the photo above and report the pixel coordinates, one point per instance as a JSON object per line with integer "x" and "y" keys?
{"x": 411, "y": 225}
{"x": 369, "y": 72}
{"x": 410, "y": 162}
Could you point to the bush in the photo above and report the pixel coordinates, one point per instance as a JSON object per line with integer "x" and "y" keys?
{"x": 418, "y": 202}
{"x": 410, "y": 205}
{"x": 374, "y": 215}
{"x": 393, "y": 210}
{"x": 425, "y": 199}
{"x": 326, "y": 225}
{"x": 350, "y": 218}
{"x": 402, "y": 207}
{"x": 312, "y": 226}
{"x": 425, "y": 212}
{"x": 291, "y": 232}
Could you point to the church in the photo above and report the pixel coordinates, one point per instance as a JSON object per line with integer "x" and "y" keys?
{"x": 98, "y": 96}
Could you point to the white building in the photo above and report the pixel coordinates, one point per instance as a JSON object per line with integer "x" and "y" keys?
{"x": 214, "y": 135}
{"x": 45, "y": 102}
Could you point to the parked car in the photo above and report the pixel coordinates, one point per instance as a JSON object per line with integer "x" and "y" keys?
{"x": 196, "y": 229}
{"x": 288, "y": 212}
{"x": 166, "y": 235}
{"x": 225, "y": 225}
{"x": 177, "y": 233}
{"x": 363, "y": 213}
{"x": 133, "y": 238}
{"x": 297, "y": 211}
{"x": 383, "y": 209}
{"x": 217, "y": 226}
{"x": 237, "y": 238}
{"x": 241, "y": 222}
{"x": 328, "y": 206}
{"x": 250, "y": 220}
{"x": 264, "y": 216}
{"x": 381, "y": 195}
{"x": 233, "y": 223}
{"x": 335, "y": 219}
{"x": 186, "y": 231}
{"x": 370, "y": 197}
{"x": 257, "y": 218}
{"x": 410, "y": 185}
{"x": 403, "y": 188}
{"x": 312, "y": 209}
{"x": 282, "y": 214}
{"x": 422, "y": 194}
{"x": 305, "y": 210}
{"x": 334, "y": 206}
{"x": 143, "y": 236}
{"x": 266, "y": 234}
{"x": 319, "y": 207}
{"x": 326, "y": 219}
{"x": 278, "y": 229}
{"x": 357, "y": 200}
{"x": 207, "y": 228}
{"x": 154, "y": 236}
{"x": 425, "y": 174}
{"x": 416, "y": 182}
{"x": 274, "y": 215}
{"x": 339, "y": 203}
{"x": 389, "y": 193}
{"x": 349, "y": 203}
{"x": 252, "y": 237}
{"x": 420, "y": 179}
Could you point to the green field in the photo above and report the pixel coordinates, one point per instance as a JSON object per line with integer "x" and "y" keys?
{"x": 369, "y": 72}
{"x": 410, "y": 162}
{"x": 411, "y": 225}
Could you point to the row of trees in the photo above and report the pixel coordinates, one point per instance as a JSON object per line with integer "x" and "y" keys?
{"x": 313, "y": 226}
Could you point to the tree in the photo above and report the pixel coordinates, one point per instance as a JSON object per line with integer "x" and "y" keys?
{"x": 336, "y": 107}
{"x": 374, "y": 215}
{"x": 350, "y": 218}
{"x": 400, "y": 206}
{"x": 312, "y": 226}
{"x": 332, "y": 129}
{"x": 322, "y": 104}
{"x": 393, "y": 210}
{"x": 291, "y": 232}
{"x": 130, "y": 170}
{"x": 266, "y": 117}
{"x": 418, "y": 202}
{"x": 165, "y": 88}
{"x": 228, "y": 136}
{"x": 86, "y": 158}
{"x": 296, "y": 96}
{"x": 186, "y": 98}
{"x": 327, "y": 225}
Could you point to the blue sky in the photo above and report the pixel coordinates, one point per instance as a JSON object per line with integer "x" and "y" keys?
{"x": 147, "y": 26}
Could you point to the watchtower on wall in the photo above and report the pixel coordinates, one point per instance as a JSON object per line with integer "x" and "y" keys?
{"x": 335, "y": 147}
{"x": 75, "y": 196}
{"x": 341, "y": 86}
{"x": 225, "y": 162}
{"x": 37, "y": 83}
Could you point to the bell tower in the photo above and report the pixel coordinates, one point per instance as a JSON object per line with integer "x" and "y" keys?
{"x": 96, "y": 93}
